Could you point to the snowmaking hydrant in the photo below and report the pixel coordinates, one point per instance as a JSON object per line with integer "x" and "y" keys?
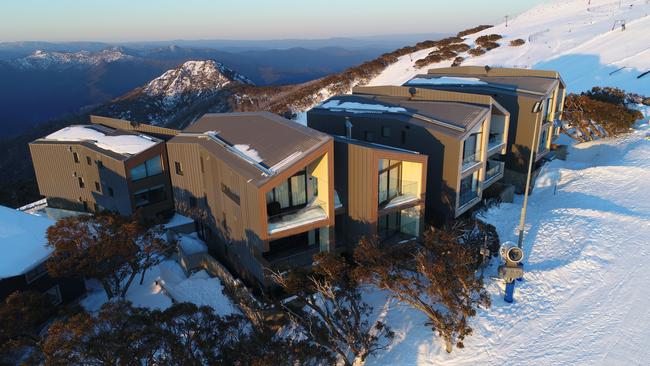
{"x": 513, "y": 269}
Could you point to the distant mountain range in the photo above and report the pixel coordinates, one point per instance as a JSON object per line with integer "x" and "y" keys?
{"x": 45, "y": 84}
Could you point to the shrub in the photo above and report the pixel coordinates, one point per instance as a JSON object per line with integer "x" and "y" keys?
{"x": 476, "y": 51}
{"x": 473, "y": 30}
{"x": 490, "y": 45}
{"x": 604, "y": 106}
{"x": 488, "y": 38}
{"x": 457, "y": 61}
{"x": 517, "y": 42}
{"x": 457, "y": 47}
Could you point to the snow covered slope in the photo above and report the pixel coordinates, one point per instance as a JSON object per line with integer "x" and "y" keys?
{"x": 584, "y": 42}
{"x": 585, "y": 293}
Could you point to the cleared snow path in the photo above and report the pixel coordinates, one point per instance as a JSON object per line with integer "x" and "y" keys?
{"x": 585, "y": 295}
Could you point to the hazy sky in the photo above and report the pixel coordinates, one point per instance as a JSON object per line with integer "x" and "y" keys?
{"x": 139, "y": 20}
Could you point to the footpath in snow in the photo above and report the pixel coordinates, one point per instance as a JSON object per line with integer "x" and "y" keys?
{"x": 585, "y": 295}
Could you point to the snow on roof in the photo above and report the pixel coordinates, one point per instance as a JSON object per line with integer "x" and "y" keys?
{"x": 22, "y": 241}
{"x": 250, "y": 152}
{"x": 356, "y": 106}
{"x": 447, "y": 80}
{"x": 191, "y": 244}
{"x": 121, "y": 144}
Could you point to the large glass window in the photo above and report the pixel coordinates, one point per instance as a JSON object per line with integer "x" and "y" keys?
{"x": 471, "y": 148}
{"x": 149, "y": 196}
{"x": 388, "y": 225}
{"x": 390, "y": 179}
{"x": 468, "y": 188}
{"x": 288, "y": 195}
{"x": 543, "y": 140}
{"x": 149, "y": 168}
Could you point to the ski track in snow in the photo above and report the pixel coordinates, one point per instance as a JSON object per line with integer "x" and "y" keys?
{"x": 585, "y": 292}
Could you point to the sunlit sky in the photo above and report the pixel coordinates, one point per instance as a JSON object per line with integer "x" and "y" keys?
{"x": 150, "y": 20}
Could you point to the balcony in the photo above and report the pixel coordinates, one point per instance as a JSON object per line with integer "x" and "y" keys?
{"x": 300, "y": 257}
{"x": 466, "y": 198}
{"x": 400, "y": 227}
{"x": 495, "y": 143}
{"x": 494, "y": 172}
{"x": 470, "y": 161}
{"x": 314, "y": 211}
{"x": 408, "y": 193}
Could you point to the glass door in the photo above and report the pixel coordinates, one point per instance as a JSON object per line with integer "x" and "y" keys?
{"x": 390, "y": 180}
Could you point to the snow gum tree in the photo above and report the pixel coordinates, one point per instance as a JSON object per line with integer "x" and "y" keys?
{"x": 21, "y": 316}
{"x": 183, "y": 334}
{"x": 335, "y": 316}
{"x": 437, "y": 278}
{"x": 107, "y": 247}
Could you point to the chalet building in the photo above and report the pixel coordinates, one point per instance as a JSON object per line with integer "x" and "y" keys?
{"x": 534, "y": 98}
{"x": 462, "y": 135}
{"x": 108, "y": 165}
{"x": 24, "y": 255}
{"x": 260, "y": 188}
{"x": 382, "y": 191}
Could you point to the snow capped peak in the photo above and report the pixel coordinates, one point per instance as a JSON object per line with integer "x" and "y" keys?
{"x": 46, "y": 59}
{"x": 194, "y": 77}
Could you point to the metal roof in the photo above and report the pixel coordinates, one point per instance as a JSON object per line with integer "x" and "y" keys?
{"x": 256, "y": 144}
{"x": 452, "y": 118}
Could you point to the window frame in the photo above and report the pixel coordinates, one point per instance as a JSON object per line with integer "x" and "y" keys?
{"x": 392, "y": 164}
{"x": 291, "y": 207}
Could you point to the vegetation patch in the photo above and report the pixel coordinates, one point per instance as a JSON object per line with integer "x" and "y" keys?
{"x": 600, "y": 112}
{"x": 457, "y": 61}
{"x": 476, "y": 29}
{"x": 517, "y": 42}
{"x": 476, "y": 51}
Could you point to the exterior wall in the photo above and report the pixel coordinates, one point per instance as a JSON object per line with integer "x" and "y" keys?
{"x": 167, "y": 205}
{"x": 233, "y": 231}
{"x": 57, "y": 174}
{"x": 443, "y": 152}
{"x": 234, "y": 224}
{"x": 358, "y": 186}
{"x": 69, "y": 288}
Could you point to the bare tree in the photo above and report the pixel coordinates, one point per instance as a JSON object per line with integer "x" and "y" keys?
{"x": 437, "y": 278}
{"x": 335, "y": 315}
{"x": 107, "y": 247}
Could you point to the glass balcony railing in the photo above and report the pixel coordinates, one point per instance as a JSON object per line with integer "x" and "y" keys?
{"x": 314, "y": 211}
{"x": 471, "y": 160}
{"x": 466, "y": 197}
{"x": 409, "y": 192}
{"x": 494, "y": 141}
{"x": 494, "y": 169}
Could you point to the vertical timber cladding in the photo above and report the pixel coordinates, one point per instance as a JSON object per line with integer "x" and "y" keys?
{"x": 58, "y": 176}
{"x": 363, "y": 183}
